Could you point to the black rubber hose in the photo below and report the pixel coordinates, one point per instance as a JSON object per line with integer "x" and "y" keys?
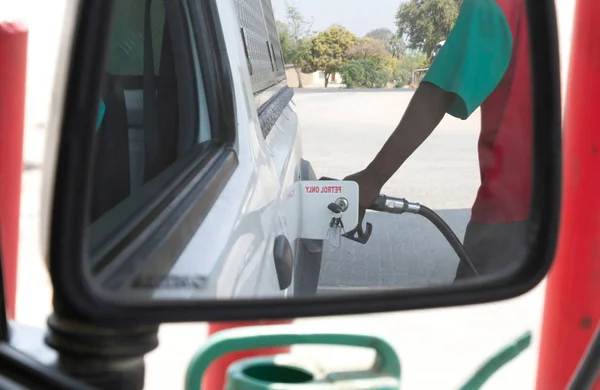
{"x": 449, "y": 235}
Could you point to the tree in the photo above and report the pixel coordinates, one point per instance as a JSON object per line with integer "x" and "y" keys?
{"x": 326, "y": 51}
{"x": 397, "y": 47}
{"x": 364, "y": 73}
{"x": 299, "y": 26}
{"x": 381, "y": 34}
{"x": 405, "y": 67}
{"x": 390, "y": 65}
{"x": 426, "y": 22}
{"x": 285, "y": 40}
{"x": 381, "y": 64}
{"x": 367, "y": 48}
{"x": 394, "y": 44}
{"x": 293, "y": 34}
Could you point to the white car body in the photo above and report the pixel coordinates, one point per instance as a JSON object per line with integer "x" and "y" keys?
{"x": 234, "y": 246}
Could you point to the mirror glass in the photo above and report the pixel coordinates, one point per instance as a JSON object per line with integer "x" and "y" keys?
{"x": 424, "y": 101}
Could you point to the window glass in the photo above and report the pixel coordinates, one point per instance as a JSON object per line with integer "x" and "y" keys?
{"x": 152, "y": 117}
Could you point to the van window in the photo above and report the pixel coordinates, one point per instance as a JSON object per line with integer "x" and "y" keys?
{"x": 153, "y": 119}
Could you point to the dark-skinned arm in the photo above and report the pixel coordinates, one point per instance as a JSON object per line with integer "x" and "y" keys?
{"x": 466, "y": 70}
{"x": 424, "y": 112}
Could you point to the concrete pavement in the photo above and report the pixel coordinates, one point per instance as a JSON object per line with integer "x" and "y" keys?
{"x": 342, "y": 131}
{"x": 403, "y": 251}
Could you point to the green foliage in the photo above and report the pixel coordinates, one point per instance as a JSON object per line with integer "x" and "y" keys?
{"x": 298, "y": 53}
{"x": 393, "y": 44}
{"x": 391, "y": 64}
{"x": 367, "y": 48}
{"x": 373, "y": 65}
{"x": 326, "y": 51}
{"x": 364, "y": 73}
{"x": 286, "y": 41}
{"x": 397, "y": 47}
{"x": 405, "y": 67}
{"x": 293, "y": 51}
{"x": 424, "y": 23}
{"x": 293, "y": 34}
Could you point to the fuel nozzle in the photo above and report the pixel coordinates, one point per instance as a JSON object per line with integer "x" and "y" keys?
{"x": 395, "y": 205}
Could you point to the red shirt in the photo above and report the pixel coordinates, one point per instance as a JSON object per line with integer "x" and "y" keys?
{"x": 485, "y": 62}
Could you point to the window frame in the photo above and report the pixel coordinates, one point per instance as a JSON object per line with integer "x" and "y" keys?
{"x": 216, "y": 71}
{"x": 189, "y": 122}
{"x": 163, "y": 227}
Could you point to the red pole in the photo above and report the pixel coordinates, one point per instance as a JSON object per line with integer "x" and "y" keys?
{"x": 572, "y": 306}
{"x": 13, "y": 69}
{"x": 216, "y": 375}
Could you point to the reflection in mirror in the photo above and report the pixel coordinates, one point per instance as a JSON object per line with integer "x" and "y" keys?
{"x": 437, "y": 113}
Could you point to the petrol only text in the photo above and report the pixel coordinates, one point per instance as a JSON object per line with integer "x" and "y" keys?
{"x": 323, "y": 189}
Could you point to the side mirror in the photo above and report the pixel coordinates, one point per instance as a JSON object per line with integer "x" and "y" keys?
{"x": 177, "y": 189}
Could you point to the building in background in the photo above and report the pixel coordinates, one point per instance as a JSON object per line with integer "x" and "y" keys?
{"x": 312, "y": 80}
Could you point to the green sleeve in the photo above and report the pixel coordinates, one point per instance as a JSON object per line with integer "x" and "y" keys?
{"x": 474, "y": 58}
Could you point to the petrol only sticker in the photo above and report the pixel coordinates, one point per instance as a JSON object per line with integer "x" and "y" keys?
{"x": 315, "y": 211}
{"x": 328, "y": 189}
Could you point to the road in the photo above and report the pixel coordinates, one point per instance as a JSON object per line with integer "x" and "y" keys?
{"x": 342, "y": 131}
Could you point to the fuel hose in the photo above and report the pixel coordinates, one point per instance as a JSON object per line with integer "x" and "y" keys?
{"x": 401, "y": 206}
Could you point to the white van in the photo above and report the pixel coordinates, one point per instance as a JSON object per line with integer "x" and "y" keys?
{"x": 195, "y": 167}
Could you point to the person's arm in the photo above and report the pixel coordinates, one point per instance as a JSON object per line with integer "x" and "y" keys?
{"x": 465, "y": 71}
{"x": 424, "y": 112}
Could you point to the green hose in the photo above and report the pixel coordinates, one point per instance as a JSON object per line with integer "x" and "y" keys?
{"x": 496, "y": 362}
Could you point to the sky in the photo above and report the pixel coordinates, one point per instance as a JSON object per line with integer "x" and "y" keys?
{"x": 357, "y": 16}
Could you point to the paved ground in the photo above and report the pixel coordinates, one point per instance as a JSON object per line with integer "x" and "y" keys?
{"x": 438, "y": 348}
{"x": 404, "y": 251}
{"x": 342, "y": 132}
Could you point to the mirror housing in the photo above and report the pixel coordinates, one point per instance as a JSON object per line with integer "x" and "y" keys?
{"x": 68, "y": 192}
